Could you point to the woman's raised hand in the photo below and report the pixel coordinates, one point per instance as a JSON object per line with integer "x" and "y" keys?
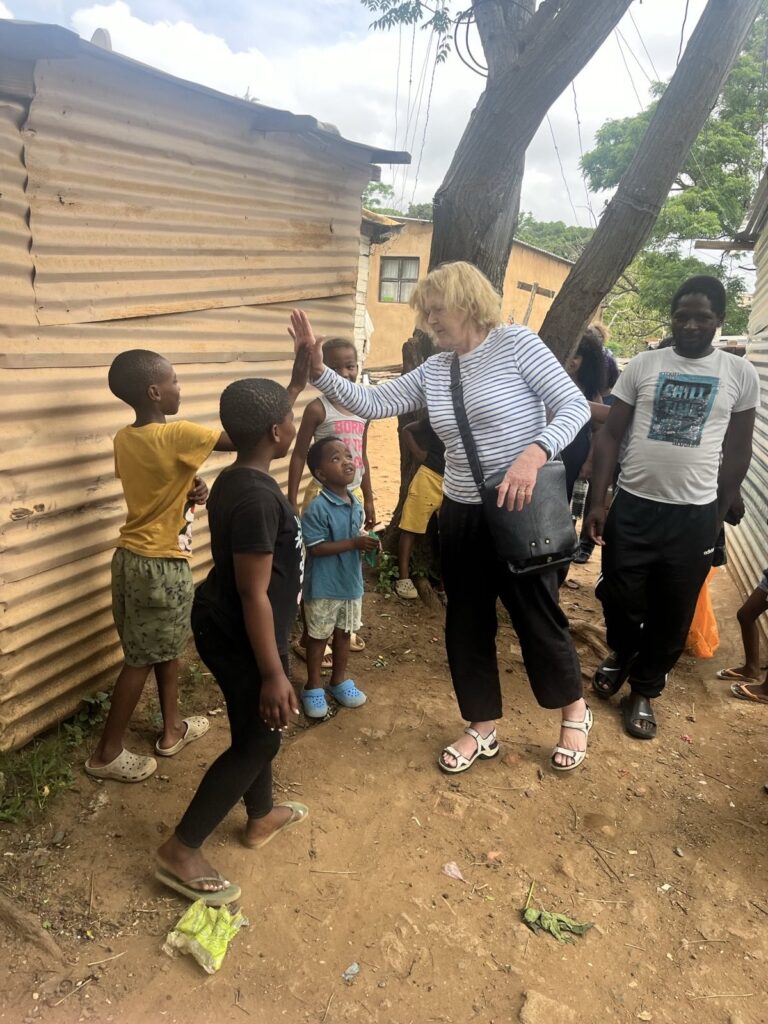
{"x": 516, "y": 489}
{"x": 304, "y": 339}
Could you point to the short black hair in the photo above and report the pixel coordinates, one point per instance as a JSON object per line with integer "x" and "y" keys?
{"x": 315, "y": 453}
{"x": 334, "y": 344}
{"x": 249, "y": 408}
{"x": 705, "y": 285}
{"x": 132, "y": 372}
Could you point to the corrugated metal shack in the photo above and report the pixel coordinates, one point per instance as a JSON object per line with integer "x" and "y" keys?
{"x": 748, "y": 543}
{"x": 136, "y": 210}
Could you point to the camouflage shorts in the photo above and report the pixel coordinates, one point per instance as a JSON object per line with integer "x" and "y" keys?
{"x": 151, "y": 603}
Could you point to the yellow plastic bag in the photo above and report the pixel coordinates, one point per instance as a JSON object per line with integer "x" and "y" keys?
{"x": 205, "y": 933}
{"x": 703, "y": 636}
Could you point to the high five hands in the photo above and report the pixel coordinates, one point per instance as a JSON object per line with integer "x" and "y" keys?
{"x": 305, "y": 344}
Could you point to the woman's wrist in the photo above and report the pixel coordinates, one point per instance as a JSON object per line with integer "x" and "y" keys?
{"x": 315, "y": 375}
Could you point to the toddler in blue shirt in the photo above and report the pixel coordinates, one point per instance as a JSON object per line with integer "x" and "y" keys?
{"x": 333, "y": 587}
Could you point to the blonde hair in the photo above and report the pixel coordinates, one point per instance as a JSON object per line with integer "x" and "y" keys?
{"x": 463, "y": 288}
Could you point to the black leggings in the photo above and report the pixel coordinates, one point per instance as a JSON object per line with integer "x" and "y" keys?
{"x": 475, "y": 578}
{"x": 244, "y": 771}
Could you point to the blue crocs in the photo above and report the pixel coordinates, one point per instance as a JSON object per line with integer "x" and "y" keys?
{"x": 348, "y": 695}
{"x": 314, "y": 703}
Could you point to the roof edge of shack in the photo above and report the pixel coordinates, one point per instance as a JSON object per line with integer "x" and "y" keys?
{"x": 32, "y": 41}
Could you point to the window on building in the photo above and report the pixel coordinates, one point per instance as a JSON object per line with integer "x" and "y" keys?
{"x": 398, "y": 278}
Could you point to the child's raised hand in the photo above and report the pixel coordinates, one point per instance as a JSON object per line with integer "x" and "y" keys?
{"x": 304, "y": 338}
{"x": 278, "y": 705}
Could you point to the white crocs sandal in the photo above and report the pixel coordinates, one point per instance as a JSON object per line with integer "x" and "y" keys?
{"x": 487, "y": 747}
{"x": 577, "y": 755}
{"x": 406, "y": 590}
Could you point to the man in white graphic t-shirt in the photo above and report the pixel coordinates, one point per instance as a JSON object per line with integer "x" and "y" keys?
{"x": 676, "y": 410}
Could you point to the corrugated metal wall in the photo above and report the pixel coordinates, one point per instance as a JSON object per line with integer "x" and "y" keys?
{"x": 748, "y": 543}
{"x": 123, "y": 200}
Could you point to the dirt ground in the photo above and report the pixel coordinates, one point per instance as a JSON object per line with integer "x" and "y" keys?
{"x": 662, "y": 845}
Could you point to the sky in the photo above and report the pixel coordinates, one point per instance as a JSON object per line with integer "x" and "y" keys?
{"x": 320, "y": 57}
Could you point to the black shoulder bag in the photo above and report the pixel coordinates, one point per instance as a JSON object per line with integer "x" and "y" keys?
{"x": 542, "y": 535}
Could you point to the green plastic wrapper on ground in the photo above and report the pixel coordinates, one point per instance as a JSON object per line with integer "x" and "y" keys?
{"x": 205, "y": 933}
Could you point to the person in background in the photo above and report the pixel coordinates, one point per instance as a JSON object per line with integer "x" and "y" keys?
{"x": 586, "y": 367}
{"x": 424, "y": 498}
{"x": 152, "y": 587}
{"x": 678, "y": 409}
{"x": 333, "y": 593}
{"x": 510, "y": 379}
{"x": 612, "y": 371}
{"x": 324, "y": 418}
{"x": 242, "y": 617}
{"x": 745, "y": 678}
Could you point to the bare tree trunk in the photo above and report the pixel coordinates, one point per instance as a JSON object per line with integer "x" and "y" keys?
{"x": 477, "y": 205}
{"x": 630, "y": 216}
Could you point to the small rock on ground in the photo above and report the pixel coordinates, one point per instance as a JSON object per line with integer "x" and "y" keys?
{"x": 539, "y": 1009}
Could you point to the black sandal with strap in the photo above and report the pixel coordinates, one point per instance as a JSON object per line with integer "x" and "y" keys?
{"x": 610, "y": 676}
{"x": 635, "y": 710}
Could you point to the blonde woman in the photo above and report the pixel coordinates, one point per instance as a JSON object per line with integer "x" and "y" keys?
{"x": 509, "y": 378}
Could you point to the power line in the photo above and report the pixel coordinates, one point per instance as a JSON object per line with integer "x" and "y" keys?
{"x": 562, "y": 170}
{"x": 581, "y": 154}
{"x": 416, "y": 108}
{"x": 629, "y": 71}
{"x": 636, "y": 58}
{"x": 642, "y": 43}
{"x": 426, "y": 125}
{"x": 682, "y": 32}
{"x": 397, "y": 79}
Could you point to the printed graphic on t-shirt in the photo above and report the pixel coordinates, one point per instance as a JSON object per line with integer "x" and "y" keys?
{"x": 185, "y": 533}
{"x": 681, "y": 407}
{"x": 351, "y": 433}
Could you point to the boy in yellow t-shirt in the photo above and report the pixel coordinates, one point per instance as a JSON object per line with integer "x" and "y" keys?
{"x": 152, "y": 589}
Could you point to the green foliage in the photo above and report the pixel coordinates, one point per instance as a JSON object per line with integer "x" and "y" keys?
{"x": 554, "y": 236}
{"x": 387, "y": 573}
{"x": 376, "y": 194}
{"x": 421, "y": 211}
{"x": 715, "y": 185}
{"x": 31, "y": 777}
{"x": 638, "y": 308}
{"x": 557, "y": 925}
{"x": 436, "y": 17}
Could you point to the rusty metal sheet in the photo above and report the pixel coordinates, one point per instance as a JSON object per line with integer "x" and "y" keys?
{"x": 748, "y": 543}
{"x": 146, "y": 198}
{"x": 60, "y": 505}
{"x": 16, "y": 294}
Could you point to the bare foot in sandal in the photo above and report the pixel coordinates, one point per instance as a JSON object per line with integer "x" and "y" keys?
{"x": 188, "y": 865}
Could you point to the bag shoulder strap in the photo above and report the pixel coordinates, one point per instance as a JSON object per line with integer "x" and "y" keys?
{"x": 457, "y": 395}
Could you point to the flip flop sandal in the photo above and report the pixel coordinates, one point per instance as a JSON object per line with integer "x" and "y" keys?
{"x": 196, "y": 727}
{"x": 301, "y": 652}
{"x": 314, "y": 703}
{"x": 732, "y": 676}
{"x": 299, "y": 813}
{"x": 610, "y": 676}
{"x": 126, "y": 767}
{"x": 487, "y": 747}
{"x": 577, "y": 755}
{"x": 634, "y": 709}
{"x": 356, "y": 644}
{"x": 348, "y": 695}
{"x": 211, "y": 897}
{"x": 742, "y": 692}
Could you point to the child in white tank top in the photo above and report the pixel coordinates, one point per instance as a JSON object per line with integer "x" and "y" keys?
{"x": 323, "y": 419}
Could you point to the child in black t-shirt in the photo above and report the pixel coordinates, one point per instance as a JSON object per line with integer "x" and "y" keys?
{"x": 425, "y": 496}
{"x": 241, "y": 619}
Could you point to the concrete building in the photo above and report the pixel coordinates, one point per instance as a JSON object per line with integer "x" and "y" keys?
{"x": 533, "y": 278}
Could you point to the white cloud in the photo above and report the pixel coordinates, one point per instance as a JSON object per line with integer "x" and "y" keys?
{"x": 352, "y": 83}
{"x": 4, "y": 12}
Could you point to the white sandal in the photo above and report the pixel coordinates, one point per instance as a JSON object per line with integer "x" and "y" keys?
{"x": 487, "y": 747}
{"x": 406, "y": 589}
{"x": 577, "y": 755}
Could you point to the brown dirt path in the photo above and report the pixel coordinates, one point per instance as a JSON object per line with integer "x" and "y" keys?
{"x": 680, "y": 939}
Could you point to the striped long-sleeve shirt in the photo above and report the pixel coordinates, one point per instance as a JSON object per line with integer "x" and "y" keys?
{"x": 509, "y": 382}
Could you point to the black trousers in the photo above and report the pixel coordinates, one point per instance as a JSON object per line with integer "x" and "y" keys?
{"x": 655, "y": 561}
{"x": 475, "y": 578}
{"x": 244, "y": 771}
